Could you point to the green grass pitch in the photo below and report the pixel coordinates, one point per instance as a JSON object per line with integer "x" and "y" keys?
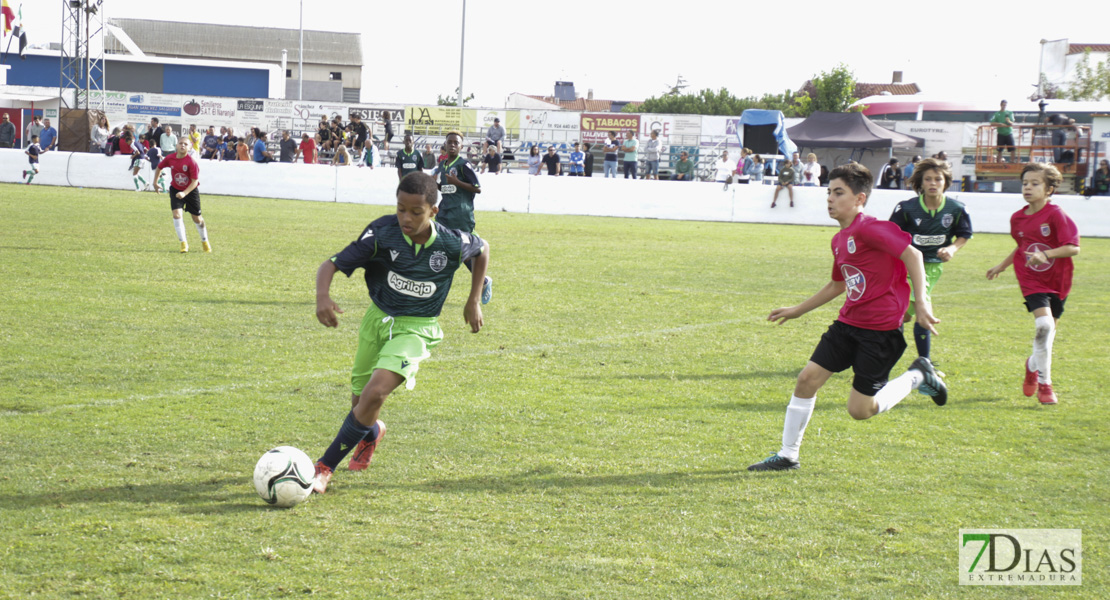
{"x": 590, "y": 442}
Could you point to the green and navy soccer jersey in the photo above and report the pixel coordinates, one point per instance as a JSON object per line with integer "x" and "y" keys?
{"x": 406, "y": 279}
{"x": 409, "y": 162}
{"x": 456, "y": 206}
{"x": 932, "y": 230}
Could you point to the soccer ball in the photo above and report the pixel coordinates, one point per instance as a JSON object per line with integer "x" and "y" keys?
{"x": 283, "y": 476}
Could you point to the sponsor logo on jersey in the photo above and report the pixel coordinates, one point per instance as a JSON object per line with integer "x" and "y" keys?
{"x": 453, "y": 172}
{"x": 447, "y": 189}
{"x": 1046, "y": 230}
{"x": 438, "y": 261}
{"x": 465, "y": 237}
{"x": 946, "y": 220}
{"x": 917, "y": 221}
{"x": 927, "y": 240}
{"x": 851, "y": 245}
{"x": 393, "y": 254}
{"x": 408, "y": 287}
{"x": 181, "y": 181}
{"x": 408, "y": 165}
{"x": 854, "y": 281}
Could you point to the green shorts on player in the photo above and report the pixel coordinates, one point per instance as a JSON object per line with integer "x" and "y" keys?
{"x": 395, "y": 344}
{"x": 932, "y": 274}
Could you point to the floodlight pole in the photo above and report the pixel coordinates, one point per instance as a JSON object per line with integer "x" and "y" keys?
{"x": 1040, "y": 77}
{"x": 300, "y": 60}
{"x": 462, "y": 49}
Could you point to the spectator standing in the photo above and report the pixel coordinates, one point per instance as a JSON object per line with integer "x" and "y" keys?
{"x": 611, "y": 148}
{"x": 194, "y": 139}
{"x": 361, "y": 132}
{"x": 409, "y": 160}
{"x": 260, "y": 153}
{"x": 577, "y": 162}
{"x": 1102, "y": 179}
{"x": 307, "y": 150}
{"x": 323, "y": 136}
{"x": 724, "y": 168}
{"x": 168, "y": 142}
{"x": 1003, "y": 121}
{"x": 231, "y": 142}
{"x": 1059, "y": 136}
{"x": 811, "y": 172}
{"x": 99, "y": 134}
{"x": 33, "y": 130}
{"x": 287, "y": 147}
{"x": 48, "y": 139}
{"x": 799, "y": 176}
{"x": 684, "y": 168}
{"x": 7, "y": 131}
{"x": 907, "y": 171}
{"x": 631, "y": 155}
{"x": 588, "y": 163}
{"x": 652, "y": 148}
{"x": 387, "y": 123}
{"x": 553, "y": 161}
{"x": 744, "y": 166}
{"x": 786, "y": 180}
{"x": 242, "y": 151}
{"x": 429, "y": 157}
{"x": 494, "y": 135}
{"x": 534, "y": 160}
{"x": 823, "y": 178}
{"x": 755, "y": 169}
{"x": 890, "y": 178}
{"x": 491, "y": 160}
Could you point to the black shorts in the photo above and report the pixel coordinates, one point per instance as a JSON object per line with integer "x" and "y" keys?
{"x": 191, "y": 203}
{"x": 1052, "y": 301}
{"x": 871, "y": 354}
{"x": 1005, "y": 141}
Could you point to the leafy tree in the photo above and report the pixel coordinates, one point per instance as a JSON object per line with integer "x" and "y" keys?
{"x": 720, "y": 102}
{"x": 1091, "y": 83}
{"x": 452, "y": 100}
{"x": 833, "y": 91}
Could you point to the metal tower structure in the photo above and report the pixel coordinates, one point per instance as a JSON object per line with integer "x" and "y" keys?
{"x": 82, "y": 54}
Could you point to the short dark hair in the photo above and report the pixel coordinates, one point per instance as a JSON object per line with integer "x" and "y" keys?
{"x": 856, "y": 176}
{"x": 420, "y": 184}
{"x": 929, "y": 164}
{"x": 1052, "y": 176}
{"x": 154, "y": 120}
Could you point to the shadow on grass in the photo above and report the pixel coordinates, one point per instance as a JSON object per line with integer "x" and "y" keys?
{"x": 207, "y": 497}
{"x": 699, "y": 376}
{"x": 544, "y": 479}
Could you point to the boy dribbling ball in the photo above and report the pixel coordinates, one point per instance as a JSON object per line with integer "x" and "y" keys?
{"x": 1046, "y": 240}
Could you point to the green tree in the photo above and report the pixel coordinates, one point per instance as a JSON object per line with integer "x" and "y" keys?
{"x": 720, "y": 102}
{"x": 1091, "y": 83}
{"x": 833, "y": 91}
{"x": 452, "y": 100}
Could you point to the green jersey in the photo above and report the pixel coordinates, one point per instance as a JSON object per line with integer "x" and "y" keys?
{"x": 406, "y": 279}
{"x": 456, "y": 205}
{"x": 409, "y": 162}
{"x": 1001, "y": 117}
{"x": 932, "y": 229}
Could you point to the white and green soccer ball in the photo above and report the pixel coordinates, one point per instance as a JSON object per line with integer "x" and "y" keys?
{"x": 283, "y": 476}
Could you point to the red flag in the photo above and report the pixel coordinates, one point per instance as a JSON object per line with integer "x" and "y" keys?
{"x": 9, "y": 16}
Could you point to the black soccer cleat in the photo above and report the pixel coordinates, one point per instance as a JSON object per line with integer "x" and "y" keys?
{"x": 774, "y": 463}
{"x": 932, "y": 385}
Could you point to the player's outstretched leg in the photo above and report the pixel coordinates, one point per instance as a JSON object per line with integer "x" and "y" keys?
{"x": 798, "y": 412}
{"x": 350, "y": 434}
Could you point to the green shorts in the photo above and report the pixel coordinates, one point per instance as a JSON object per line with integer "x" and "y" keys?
{"x": 932, "y": 274}
{"x": 395, "y": 344}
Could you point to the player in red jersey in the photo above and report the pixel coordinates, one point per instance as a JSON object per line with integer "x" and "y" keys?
{"x": 1046, "y": 240}
{"x": 184, "y": 180}
{"x": 870, "y": 261}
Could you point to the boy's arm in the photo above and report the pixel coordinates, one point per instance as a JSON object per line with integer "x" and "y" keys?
{"x": 911, "y": 257}
{"x": 946, "y": 253}
{"x": 831, "y": 290}
{"x": 326, "y": 308}
{"x": 1041, "y": 257}
{"x": 472, "y": 311}
{"x": 996, "y": 270}
{"x": 185, "y": 192}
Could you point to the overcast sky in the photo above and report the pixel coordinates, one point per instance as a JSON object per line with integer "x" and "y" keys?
{"x": 626, "y": 50}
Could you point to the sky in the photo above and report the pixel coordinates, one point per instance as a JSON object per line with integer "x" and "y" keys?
{"x": 635, "y": 50}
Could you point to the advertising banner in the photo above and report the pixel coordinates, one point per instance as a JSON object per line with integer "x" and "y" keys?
{"x": 482, "y": 119}
{"x": 433, "y": 120}
{"x": 596, "y": 126}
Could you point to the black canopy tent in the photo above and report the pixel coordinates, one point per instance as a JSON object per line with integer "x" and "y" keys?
{"x": 848, "y": 130}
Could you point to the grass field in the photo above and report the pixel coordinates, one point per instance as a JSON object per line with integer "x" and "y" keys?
{"x": 590, "y": 442}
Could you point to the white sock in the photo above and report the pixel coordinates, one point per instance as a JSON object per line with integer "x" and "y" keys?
{"x": 202, "y": 230}
{"x": 897, "y": 389}
{"x": 179, "y": 227}
{"x": 798, "y": 413}
{"x": 1042, "y": 348}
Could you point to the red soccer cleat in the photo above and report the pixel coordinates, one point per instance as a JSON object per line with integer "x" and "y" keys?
{"x": 1029, "y": 386}
{"x": 323, "y": 478}
{"x": 365, "y": 450}
{"x": 1045, "y": 394}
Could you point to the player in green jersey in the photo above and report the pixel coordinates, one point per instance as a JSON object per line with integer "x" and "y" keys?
{"x": 410, "y": 261}
{"x": 459, "y": 184}
{"x": 940, "y": 226}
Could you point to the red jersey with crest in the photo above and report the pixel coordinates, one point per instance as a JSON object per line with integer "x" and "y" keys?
{"x": 182, "y": 170}
{"x": 1045, "y": 229}
{"x": 866, "y": 258}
